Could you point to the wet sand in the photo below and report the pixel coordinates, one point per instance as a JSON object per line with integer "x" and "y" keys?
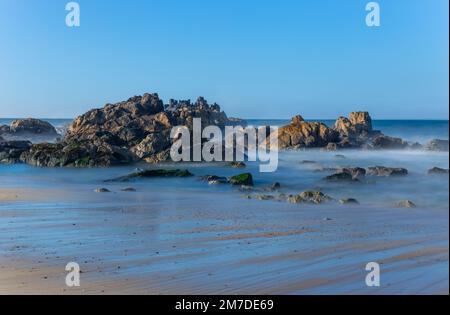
{"x": 135, "y": 243}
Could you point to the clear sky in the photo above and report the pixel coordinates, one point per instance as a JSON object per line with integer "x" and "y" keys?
{"x": 256, "y": 58}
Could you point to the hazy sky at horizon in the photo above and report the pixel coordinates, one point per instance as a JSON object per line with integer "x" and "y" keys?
{"x": 256, "y": 58}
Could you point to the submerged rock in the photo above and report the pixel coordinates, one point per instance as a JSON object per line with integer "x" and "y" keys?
{"x": 438, "y": 171}
{"x": 348, "y": 174}
{"x": 274, "y": 187}
{"x": 386, "y": 142}
{"x": 102, "y": 190}
{"x": 387, "y": 171}
{"x": 245, "y": 179}
{"x": 153, "y": 174}
{"x": 405, "y": 204}
{"x": 349, "y": 201}
{"x": 437, "y": 145}
{"x": 128, "y": 189}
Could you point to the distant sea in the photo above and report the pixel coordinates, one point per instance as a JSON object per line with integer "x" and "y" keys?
{"x": 410, "y": 130}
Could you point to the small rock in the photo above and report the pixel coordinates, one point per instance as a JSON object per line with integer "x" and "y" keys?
{"x": 406, "y": 204}
{"x": 129, "y": 189}
{"x": 387, "y": 171}
{"x": 102, "y": 190}
{"x": 237, "y": 164}
{"x": 242, "y": 179}
{"x": 437, "y": 171}
{"x": 346, "y": 201}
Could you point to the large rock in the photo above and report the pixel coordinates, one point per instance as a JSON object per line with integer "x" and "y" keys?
{"x": 136, "y": 129}
{"x": 302, "y": 134}
{"x": 29, "y": 129}
{"x": 32, "y": 126}
{"x": 356, "y": 129}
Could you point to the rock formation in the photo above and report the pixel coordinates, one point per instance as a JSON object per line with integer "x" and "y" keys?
{"x": 29, "y": 129}
{"x": 136, "y": 129}
{"x": 302, "y": 134}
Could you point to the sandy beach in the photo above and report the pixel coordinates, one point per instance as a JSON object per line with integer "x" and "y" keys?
{"x": 141, "y": 246}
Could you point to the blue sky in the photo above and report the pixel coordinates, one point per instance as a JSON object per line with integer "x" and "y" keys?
{"x": 256, "y": 58}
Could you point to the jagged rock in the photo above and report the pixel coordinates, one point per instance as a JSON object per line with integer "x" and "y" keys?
{"x": 405, "y": 204}
{"x": 437, "y": 145}
{"x": 315, "y": 197}
{"x": 387, "y": 171}
{"x": 347, "y": 201}
{"x": 385, "y": 142}
{"x": 136, "y": 129}
{"x": 10, "y": 151}
{"x": 245, "y": 179}
{"x": 152, "y": 174}
{"x": 438, "y": 171}
{"x": 302, "y": 134}
{"x": 356, "y": 129}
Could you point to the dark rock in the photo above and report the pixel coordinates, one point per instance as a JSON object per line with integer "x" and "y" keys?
{"x": 102, "y": 190}
{"x": 10, "y": 151}
{"x": 308, "y": 162}
{"x": 129, "y": 189}
{"x": 245, "y": 179}
{"x": 386, "y": 171}
{"x": 385, "y": 142}
{"x": 347, "y": 201}
{"x": 153, "y": 174}
{"x": 437, "y": 171}
{"x": 348, "y": 174}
